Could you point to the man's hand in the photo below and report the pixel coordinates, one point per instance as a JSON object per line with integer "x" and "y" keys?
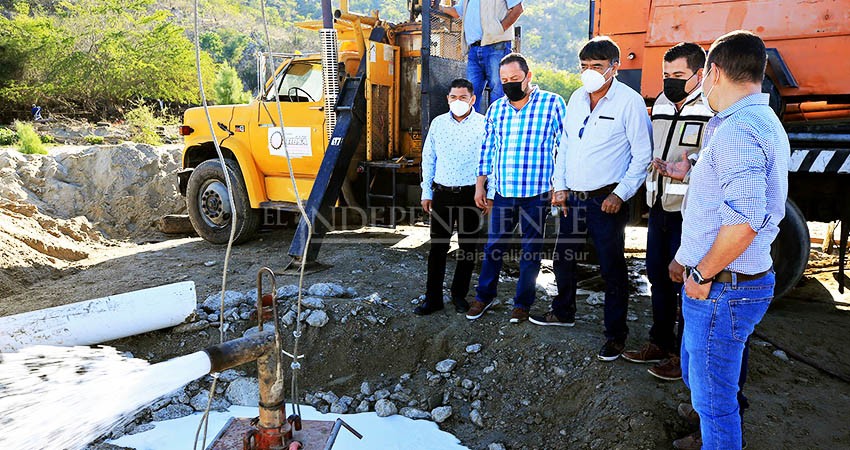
{"x": 559, "y": 199}
{"x": 612, "y": 204}
{"x": 676, "y": 271}
{"x": 675, "y": 170}
{"x": 426, "y": 205}
{"x": 481, "y": 200}
{"x": 697, "y": 291}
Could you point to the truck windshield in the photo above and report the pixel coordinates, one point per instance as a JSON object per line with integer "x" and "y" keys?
{"x": 302, "y": 82}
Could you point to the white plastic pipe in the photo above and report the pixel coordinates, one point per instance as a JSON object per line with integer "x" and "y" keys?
{"x": 100, "y": 320}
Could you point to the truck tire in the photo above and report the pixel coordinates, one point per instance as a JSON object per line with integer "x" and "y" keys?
{"x": 790, "y": 250}
{"x": 209, "y": 207}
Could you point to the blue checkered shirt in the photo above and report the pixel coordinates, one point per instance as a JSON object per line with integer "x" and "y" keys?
{"x": 519, "y": 145}
{"x": 741, "y": 176}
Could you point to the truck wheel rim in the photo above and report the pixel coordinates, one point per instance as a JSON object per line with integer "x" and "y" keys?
{"x": 214, "y": 204}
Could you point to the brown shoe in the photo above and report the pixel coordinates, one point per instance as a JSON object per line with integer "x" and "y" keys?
{"x": 477, "y": 309}
{"x": 687, "y": 412}
{"x": 649, "y": 353}
{"x": 519, "y": 315}
{"x": 692, "y": 441}
{"x": 669, "y": 369}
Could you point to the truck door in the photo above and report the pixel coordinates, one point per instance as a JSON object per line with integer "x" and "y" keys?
{"x": 299, "y": 90}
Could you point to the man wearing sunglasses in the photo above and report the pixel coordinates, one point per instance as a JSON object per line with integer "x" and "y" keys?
{"x": 600, "y": 165}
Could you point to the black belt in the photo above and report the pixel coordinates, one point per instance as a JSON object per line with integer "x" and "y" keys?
{"x": 604, "y": 190}
{"x": 475, "y": 44}
{"x": 725, "y": 276}
{"x": 453, "y": 189}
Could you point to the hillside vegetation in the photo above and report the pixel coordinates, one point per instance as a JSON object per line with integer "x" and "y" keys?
{"x": 97, "y": 58}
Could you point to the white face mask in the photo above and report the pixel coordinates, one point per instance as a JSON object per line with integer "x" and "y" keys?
{"x": 459, "y": 108}
{"x": 593, "y": 80}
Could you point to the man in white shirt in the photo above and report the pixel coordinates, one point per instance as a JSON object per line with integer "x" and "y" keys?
{"x": 600, "y": 165}
{"x": 450, "y": 157}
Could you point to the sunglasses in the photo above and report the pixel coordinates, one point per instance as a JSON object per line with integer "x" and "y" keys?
{"x": 583, "y": 125}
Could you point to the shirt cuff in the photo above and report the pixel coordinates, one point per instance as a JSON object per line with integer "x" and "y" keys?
{"x": 622, "y": 191}
{"x": 730, "y": 217}
{"x": 559, "y": 184}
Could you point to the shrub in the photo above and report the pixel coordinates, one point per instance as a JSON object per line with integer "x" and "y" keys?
{"x": 47, "y": 139}
{"x": 29, "y": 141}
{"x": 144, "y": 124}
{"x": 228, "y": 89}
{"x": 93, "y": 140}
{"x": 8, "y": 137}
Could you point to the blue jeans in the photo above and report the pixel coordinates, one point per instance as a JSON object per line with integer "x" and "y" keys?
{"x": 608, "y": 231}
{"x": 713, "y": 354}
{"x": 507, "y": 212}
{"x": 664, "y": 234}
{"x": 482, "y": 67}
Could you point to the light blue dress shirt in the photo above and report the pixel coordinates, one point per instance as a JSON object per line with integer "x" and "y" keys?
{"x": 741, "y": 176}
{"x": 615, "y": 146}
{"x": 451, "y": 151}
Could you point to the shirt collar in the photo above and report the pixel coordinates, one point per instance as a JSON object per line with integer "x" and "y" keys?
{"x": 752, "y": 99}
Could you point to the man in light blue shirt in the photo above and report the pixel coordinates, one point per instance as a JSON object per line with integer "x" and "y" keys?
{"x": 450, "y": 156}
{"x": 488, "y": 32}
{"x": 601, "y": 164}
{"x": 732, "y": 210}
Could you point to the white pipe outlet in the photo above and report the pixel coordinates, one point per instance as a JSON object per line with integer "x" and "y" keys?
{"x": 100, "y": 320}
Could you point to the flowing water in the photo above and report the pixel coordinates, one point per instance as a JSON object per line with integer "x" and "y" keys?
{"x": 66, "y": 397}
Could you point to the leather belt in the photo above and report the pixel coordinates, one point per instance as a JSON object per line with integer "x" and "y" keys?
{"x": 604, "y": 190}
{"x": 725, "y": 276}
{"x": 453, "y": 189}
{"x": 475, "y": 44}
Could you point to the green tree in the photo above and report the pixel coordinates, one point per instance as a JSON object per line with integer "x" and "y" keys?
{"x": 228, "y": 87}
{"x": 557, "y": 81}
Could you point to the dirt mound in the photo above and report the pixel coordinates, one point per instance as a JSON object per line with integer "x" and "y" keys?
{"x": 121, "y": 189}
{"x": 34, "y": 246}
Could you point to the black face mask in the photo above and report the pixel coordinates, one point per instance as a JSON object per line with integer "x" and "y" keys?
{"x": 674, "y": 89}
{"x": 513, "y": 90}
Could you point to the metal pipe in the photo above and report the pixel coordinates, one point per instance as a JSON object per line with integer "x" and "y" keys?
{"x": 327, "y": 14}
{"x": 352, "y": 17}
{"x": 239, "y": 351}
{"x": 819, "y": 137}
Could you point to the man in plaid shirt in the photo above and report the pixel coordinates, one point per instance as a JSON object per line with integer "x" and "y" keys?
{"x": 523, "y": 131}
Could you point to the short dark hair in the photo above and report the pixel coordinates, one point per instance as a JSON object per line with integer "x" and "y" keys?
{"x": 600, "y": 48}
{"x": 462, "y": 83}
{"x": 693, "y": 54}
{"x": 741, "y": 55}
{"x": 515, "y": 58}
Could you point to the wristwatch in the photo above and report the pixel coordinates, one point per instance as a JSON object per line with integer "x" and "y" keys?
{"x": 698, "y": 276}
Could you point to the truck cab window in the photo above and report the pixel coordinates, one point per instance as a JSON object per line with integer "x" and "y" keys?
{"x": 302, "y": 82}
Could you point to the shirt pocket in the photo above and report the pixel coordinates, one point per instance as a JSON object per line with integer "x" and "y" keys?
{"x": 602, "y": 128}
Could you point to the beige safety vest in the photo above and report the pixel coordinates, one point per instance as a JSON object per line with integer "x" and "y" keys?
{"x": 492, "y": 13}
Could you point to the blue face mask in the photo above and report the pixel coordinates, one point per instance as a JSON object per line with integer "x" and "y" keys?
{"x": 705, "y": 95}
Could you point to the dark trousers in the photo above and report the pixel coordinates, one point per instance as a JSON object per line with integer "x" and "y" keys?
{"x": 450, "y": 211}
{"x": 664, "y": 234}
{"x": 530, "y": 214}
{"x": 608, "y": 231}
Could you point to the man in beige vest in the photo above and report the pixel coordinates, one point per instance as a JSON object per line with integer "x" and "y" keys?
{"x": 678, "y": 119}
{"x": 488, "y": 32}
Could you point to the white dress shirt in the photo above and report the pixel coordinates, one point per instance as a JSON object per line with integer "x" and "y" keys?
{"x": 451, "y": 152}
{"x": 615, "y": 146}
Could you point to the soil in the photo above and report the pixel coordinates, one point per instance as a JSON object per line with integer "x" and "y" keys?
{"x": 539, "y": 387}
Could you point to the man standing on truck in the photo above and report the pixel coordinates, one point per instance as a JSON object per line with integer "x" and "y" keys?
{"x": 523, "y": 131}
{"x": 601, "y": 164}
{"x": 678, "y": 120}
{"x": 732, "y": 211}
{"x": 488, "y": 33}
{"x": 449, "y": 170}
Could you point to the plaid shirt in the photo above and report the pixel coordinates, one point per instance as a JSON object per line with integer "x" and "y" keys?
{"x": 741, "y": 176}
{"x": 519, "y": 145}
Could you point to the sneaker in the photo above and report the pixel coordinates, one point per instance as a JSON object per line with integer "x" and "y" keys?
{"x": 687, "y": 412}
{"x": 550, "y": 319}
{"x": 461, "y": 305}
{"x": 519, "y": 315}
{"x": 611, "y": 350}
{"x": 426, "y": 309}
{"x": 669, "y": 369}
{"x": 477, "y": 309}
{"x": 692, "y": 441}
{"x": 649, "y": 353}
